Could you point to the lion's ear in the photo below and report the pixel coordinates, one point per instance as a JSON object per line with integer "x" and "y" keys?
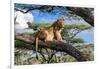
{"x": 57, "y": 20}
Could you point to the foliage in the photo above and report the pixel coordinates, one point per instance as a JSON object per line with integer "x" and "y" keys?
{"x": 40, "y": 24}
{"x": 73, "y": 29}
{"x": 70, "y": 32}
{"x": 77, "y": 40}
{"x": 78, "y": 26}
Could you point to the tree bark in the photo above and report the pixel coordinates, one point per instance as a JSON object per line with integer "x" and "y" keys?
{"x": 57, "y": 45}
{"x": 85, "y": 13}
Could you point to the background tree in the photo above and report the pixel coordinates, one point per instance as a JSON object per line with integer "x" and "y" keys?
{"x": 70, "y": 31}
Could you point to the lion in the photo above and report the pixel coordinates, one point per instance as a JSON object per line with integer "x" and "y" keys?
{"x": 58, "y": 27}
{"x": 50, "y": 33}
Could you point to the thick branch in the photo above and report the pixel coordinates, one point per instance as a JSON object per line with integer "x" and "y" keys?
{"x": 58, "y": 46}
{"x": 85, "y": 13}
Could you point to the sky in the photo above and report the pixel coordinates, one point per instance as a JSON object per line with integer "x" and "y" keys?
{"x": 38, "y": 17}
{"x": 87, "y": 36}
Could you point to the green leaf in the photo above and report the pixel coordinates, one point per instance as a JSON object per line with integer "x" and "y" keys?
{"x": 77, "y": 40}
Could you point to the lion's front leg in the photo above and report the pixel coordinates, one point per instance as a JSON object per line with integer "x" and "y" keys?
{"x": 58, "y": 36}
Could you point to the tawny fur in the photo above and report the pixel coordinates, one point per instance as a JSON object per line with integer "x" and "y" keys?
{"x": 50, "y": 33}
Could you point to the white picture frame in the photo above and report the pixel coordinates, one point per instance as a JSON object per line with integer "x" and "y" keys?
{"x": 45, "y": 66}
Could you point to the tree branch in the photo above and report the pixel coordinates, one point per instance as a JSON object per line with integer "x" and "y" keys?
{"x": 85, "y": 13}
{"x": 58, "y": 46}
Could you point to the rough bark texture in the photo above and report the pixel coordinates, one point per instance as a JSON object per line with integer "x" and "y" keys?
{"x": 58, "y": 46}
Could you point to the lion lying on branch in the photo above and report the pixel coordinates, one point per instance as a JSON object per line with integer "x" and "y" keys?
{"x": 50, "y": 33}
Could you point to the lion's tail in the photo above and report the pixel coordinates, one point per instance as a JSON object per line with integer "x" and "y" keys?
{"x": 36, "y": 48}
{"x": 36, "y": 44}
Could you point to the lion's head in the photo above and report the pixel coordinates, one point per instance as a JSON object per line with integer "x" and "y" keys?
{"x": 59, "y": 23}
